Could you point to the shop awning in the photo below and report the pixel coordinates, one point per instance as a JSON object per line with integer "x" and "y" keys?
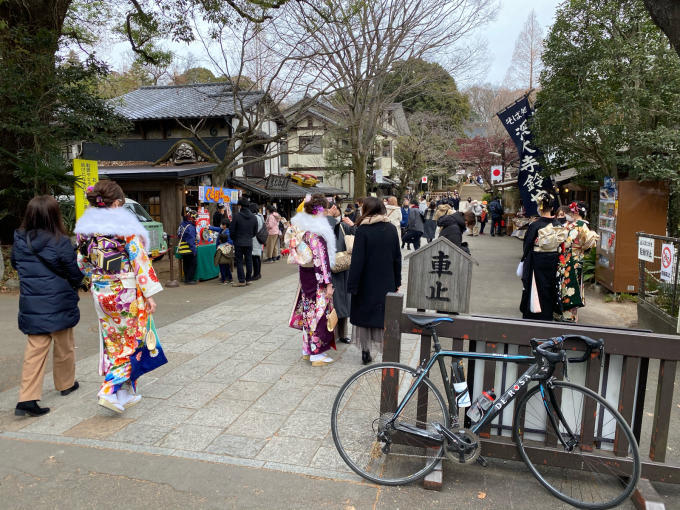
{"x": 258, "y": 186}
{"x": 122, "y": 173}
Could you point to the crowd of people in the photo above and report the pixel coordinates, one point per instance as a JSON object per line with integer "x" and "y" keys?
{"x": 348, "y": 263}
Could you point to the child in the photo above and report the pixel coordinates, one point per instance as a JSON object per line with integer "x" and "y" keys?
{"x": 225, "y": 262}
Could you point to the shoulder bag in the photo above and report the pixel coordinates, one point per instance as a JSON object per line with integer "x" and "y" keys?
{"x": 183, "y": 247}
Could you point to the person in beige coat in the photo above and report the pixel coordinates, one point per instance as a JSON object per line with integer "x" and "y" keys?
{"x": 394, "y": 214}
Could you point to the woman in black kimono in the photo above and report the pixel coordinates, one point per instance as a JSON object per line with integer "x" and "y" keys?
{"x": 540, "y": 259}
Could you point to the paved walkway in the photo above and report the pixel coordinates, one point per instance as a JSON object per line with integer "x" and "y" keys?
{"x": 235, "y": 391}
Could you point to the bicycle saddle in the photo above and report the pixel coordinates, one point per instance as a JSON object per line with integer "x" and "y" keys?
{"x": 428, "y": 322}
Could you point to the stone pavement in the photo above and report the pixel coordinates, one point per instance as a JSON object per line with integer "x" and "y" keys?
{"x": 234, "y": 390}
{"x": 236, "y": 393}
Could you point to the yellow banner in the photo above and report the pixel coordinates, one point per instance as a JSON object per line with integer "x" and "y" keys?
{"x": 85, "y": 171}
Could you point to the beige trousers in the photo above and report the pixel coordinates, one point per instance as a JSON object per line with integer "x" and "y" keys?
{"x": 271, "y": 248}
{"x": 64, "y": 363}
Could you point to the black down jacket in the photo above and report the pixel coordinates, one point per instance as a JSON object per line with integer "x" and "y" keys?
{"x": 47, "y": 302}
{"x": 453, "y": 226}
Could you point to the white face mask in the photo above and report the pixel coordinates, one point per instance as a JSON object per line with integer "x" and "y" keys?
{"x": 569, "y": 217}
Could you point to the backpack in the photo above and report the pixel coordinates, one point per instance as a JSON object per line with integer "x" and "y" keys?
{"x": 262, "y": 234}
{"x": 300, "y": 252}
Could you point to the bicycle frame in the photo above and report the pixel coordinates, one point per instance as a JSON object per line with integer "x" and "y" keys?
{"x": 498, "y": 405}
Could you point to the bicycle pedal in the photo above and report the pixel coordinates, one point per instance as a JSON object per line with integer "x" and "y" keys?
{"x": 482, "y": 461}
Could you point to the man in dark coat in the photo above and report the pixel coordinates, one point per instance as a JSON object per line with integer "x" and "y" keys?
{"x": 242, "y": 230}
{"x": 218, "y": 216}
{"x": 416, "y": 225}
{"x": 496, "y": 212}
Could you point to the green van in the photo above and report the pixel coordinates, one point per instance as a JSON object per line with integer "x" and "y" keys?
{"x": 158, "y": 239}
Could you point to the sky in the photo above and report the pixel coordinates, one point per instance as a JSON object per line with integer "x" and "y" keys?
{"x": 502, "y": 33}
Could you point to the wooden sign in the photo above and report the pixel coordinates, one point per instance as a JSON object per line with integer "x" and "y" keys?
{"x": 276, "y": 182}
{"x": 439, "y": 278}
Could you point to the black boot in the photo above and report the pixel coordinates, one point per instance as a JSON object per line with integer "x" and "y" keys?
{"x": 71, "y": 389}
{"x": 366, "y": 357}
{"x": 31, "y": 408}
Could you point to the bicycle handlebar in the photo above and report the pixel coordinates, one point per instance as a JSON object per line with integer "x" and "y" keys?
{"x": 547, "y": 348}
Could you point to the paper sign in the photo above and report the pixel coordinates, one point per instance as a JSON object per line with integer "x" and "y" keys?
{"x": 667, "y": 266}
{"x": 424, "y": 179}
{"x": 86, "y": 174}
{"x": 646, "y": 249}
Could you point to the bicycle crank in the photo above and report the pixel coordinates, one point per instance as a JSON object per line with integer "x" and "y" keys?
{"x": 461, "y": 446}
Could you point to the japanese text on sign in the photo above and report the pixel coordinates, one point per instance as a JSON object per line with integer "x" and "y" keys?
{"x": 86, "y": 174}
{"x": 646, "y": 249}
{"x": 217, "y": 194}
{"x": 667, "y": 262}
{"x": 440, "y": 266}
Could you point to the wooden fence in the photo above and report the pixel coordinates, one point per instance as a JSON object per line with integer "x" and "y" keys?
{"x": 621, "y": 377}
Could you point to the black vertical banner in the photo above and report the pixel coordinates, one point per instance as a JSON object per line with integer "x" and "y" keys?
{"x": 531, "y": 180}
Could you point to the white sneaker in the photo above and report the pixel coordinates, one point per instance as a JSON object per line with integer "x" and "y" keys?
{"x": 128, "y": 398}
{"x": 111, "y": 402}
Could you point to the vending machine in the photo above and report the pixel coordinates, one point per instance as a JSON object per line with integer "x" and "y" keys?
{"x": 626, "y": 207}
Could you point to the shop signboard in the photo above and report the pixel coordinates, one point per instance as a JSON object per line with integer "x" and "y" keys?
{"x": 86, "y": 174}
{"x": 216, "y": 194}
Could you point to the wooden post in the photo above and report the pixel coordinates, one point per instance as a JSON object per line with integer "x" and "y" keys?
{"x": 171, "y": 254}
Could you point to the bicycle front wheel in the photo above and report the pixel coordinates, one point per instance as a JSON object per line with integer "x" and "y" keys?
{"x": 601, "y": 467}
{"x": 365, "y": 405}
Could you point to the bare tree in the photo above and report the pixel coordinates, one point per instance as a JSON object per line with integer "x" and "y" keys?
{"x": 485, "y": 101}
{"x": 526, "y": 59}
{"x": 355, "y": 44}
{"x": 259, "y": 74}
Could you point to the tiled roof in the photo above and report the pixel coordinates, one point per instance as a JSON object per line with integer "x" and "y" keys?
{"x": 182, "y": 101}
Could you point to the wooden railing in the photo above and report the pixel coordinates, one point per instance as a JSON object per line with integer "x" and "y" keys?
{"x": 621, "y": 377}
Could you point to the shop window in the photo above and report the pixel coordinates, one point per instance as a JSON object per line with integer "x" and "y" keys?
{"x": 310, "y": 145}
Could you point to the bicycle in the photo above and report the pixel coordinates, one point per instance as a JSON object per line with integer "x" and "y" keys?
{"x": 390, "y": 423}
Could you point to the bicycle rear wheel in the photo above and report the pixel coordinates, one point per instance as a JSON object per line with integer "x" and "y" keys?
{"x": 366, "y": 402}
{"x": 603, "y": 467}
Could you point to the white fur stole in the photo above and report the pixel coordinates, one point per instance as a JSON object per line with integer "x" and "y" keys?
{"x": 317, "y": 225}
{"x": 115, "y": 221}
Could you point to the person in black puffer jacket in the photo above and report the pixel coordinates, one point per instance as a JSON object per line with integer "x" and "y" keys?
{"x": 48, "y": 304}
{"x": 242, "y": 230}
{"x": 453, "y": 226}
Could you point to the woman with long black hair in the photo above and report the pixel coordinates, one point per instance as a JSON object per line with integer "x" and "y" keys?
{"x": 374, "y": 271}
{"x": 48, "y": 301}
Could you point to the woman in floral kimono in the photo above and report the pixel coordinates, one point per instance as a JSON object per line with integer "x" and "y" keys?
{"x": 570, "y": 269}
{"x": 314, "y": 300}
{"x": 112, "y": 251}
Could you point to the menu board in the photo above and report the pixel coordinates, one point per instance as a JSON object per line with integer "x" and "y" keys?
{"x": 606, "y": 223}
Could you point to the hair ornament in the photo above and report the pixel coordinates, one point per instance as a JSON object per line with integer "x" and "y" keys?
{"x": 89, "y": 189}
{"x": 308, "y": 197}
{"x": 573, "y": 207}
{"x": 318, "y": 209}
{"x": 100, "y": 201}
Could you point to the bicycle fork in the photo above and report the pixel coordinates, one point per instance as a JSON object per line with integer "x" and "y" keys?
{"x": 552, "y": 408}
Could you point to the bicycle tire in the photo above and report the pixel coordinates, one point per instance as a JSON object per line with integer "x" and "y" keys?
{"x": 613, "y": 485}
{"x": 355, "y": 435}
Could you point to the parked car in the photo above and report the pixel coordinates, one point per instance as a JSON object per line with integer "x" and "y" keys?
{"x": 157, "y": 237}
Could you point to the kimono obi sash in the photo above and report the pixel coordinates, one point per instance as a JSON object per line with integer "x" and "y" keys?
{"x": 549, "y": 238}
{"x": 127, "y": 280}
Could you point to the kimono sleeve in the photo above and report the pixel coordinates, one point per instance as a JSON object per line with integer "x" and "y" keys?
{"x": 146, "y": 277}
{"x": 322, "y": 266}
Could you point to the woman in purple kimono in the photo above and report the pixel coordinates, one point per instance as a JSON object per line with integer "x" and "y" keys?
{"x": 314, "y": 301}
